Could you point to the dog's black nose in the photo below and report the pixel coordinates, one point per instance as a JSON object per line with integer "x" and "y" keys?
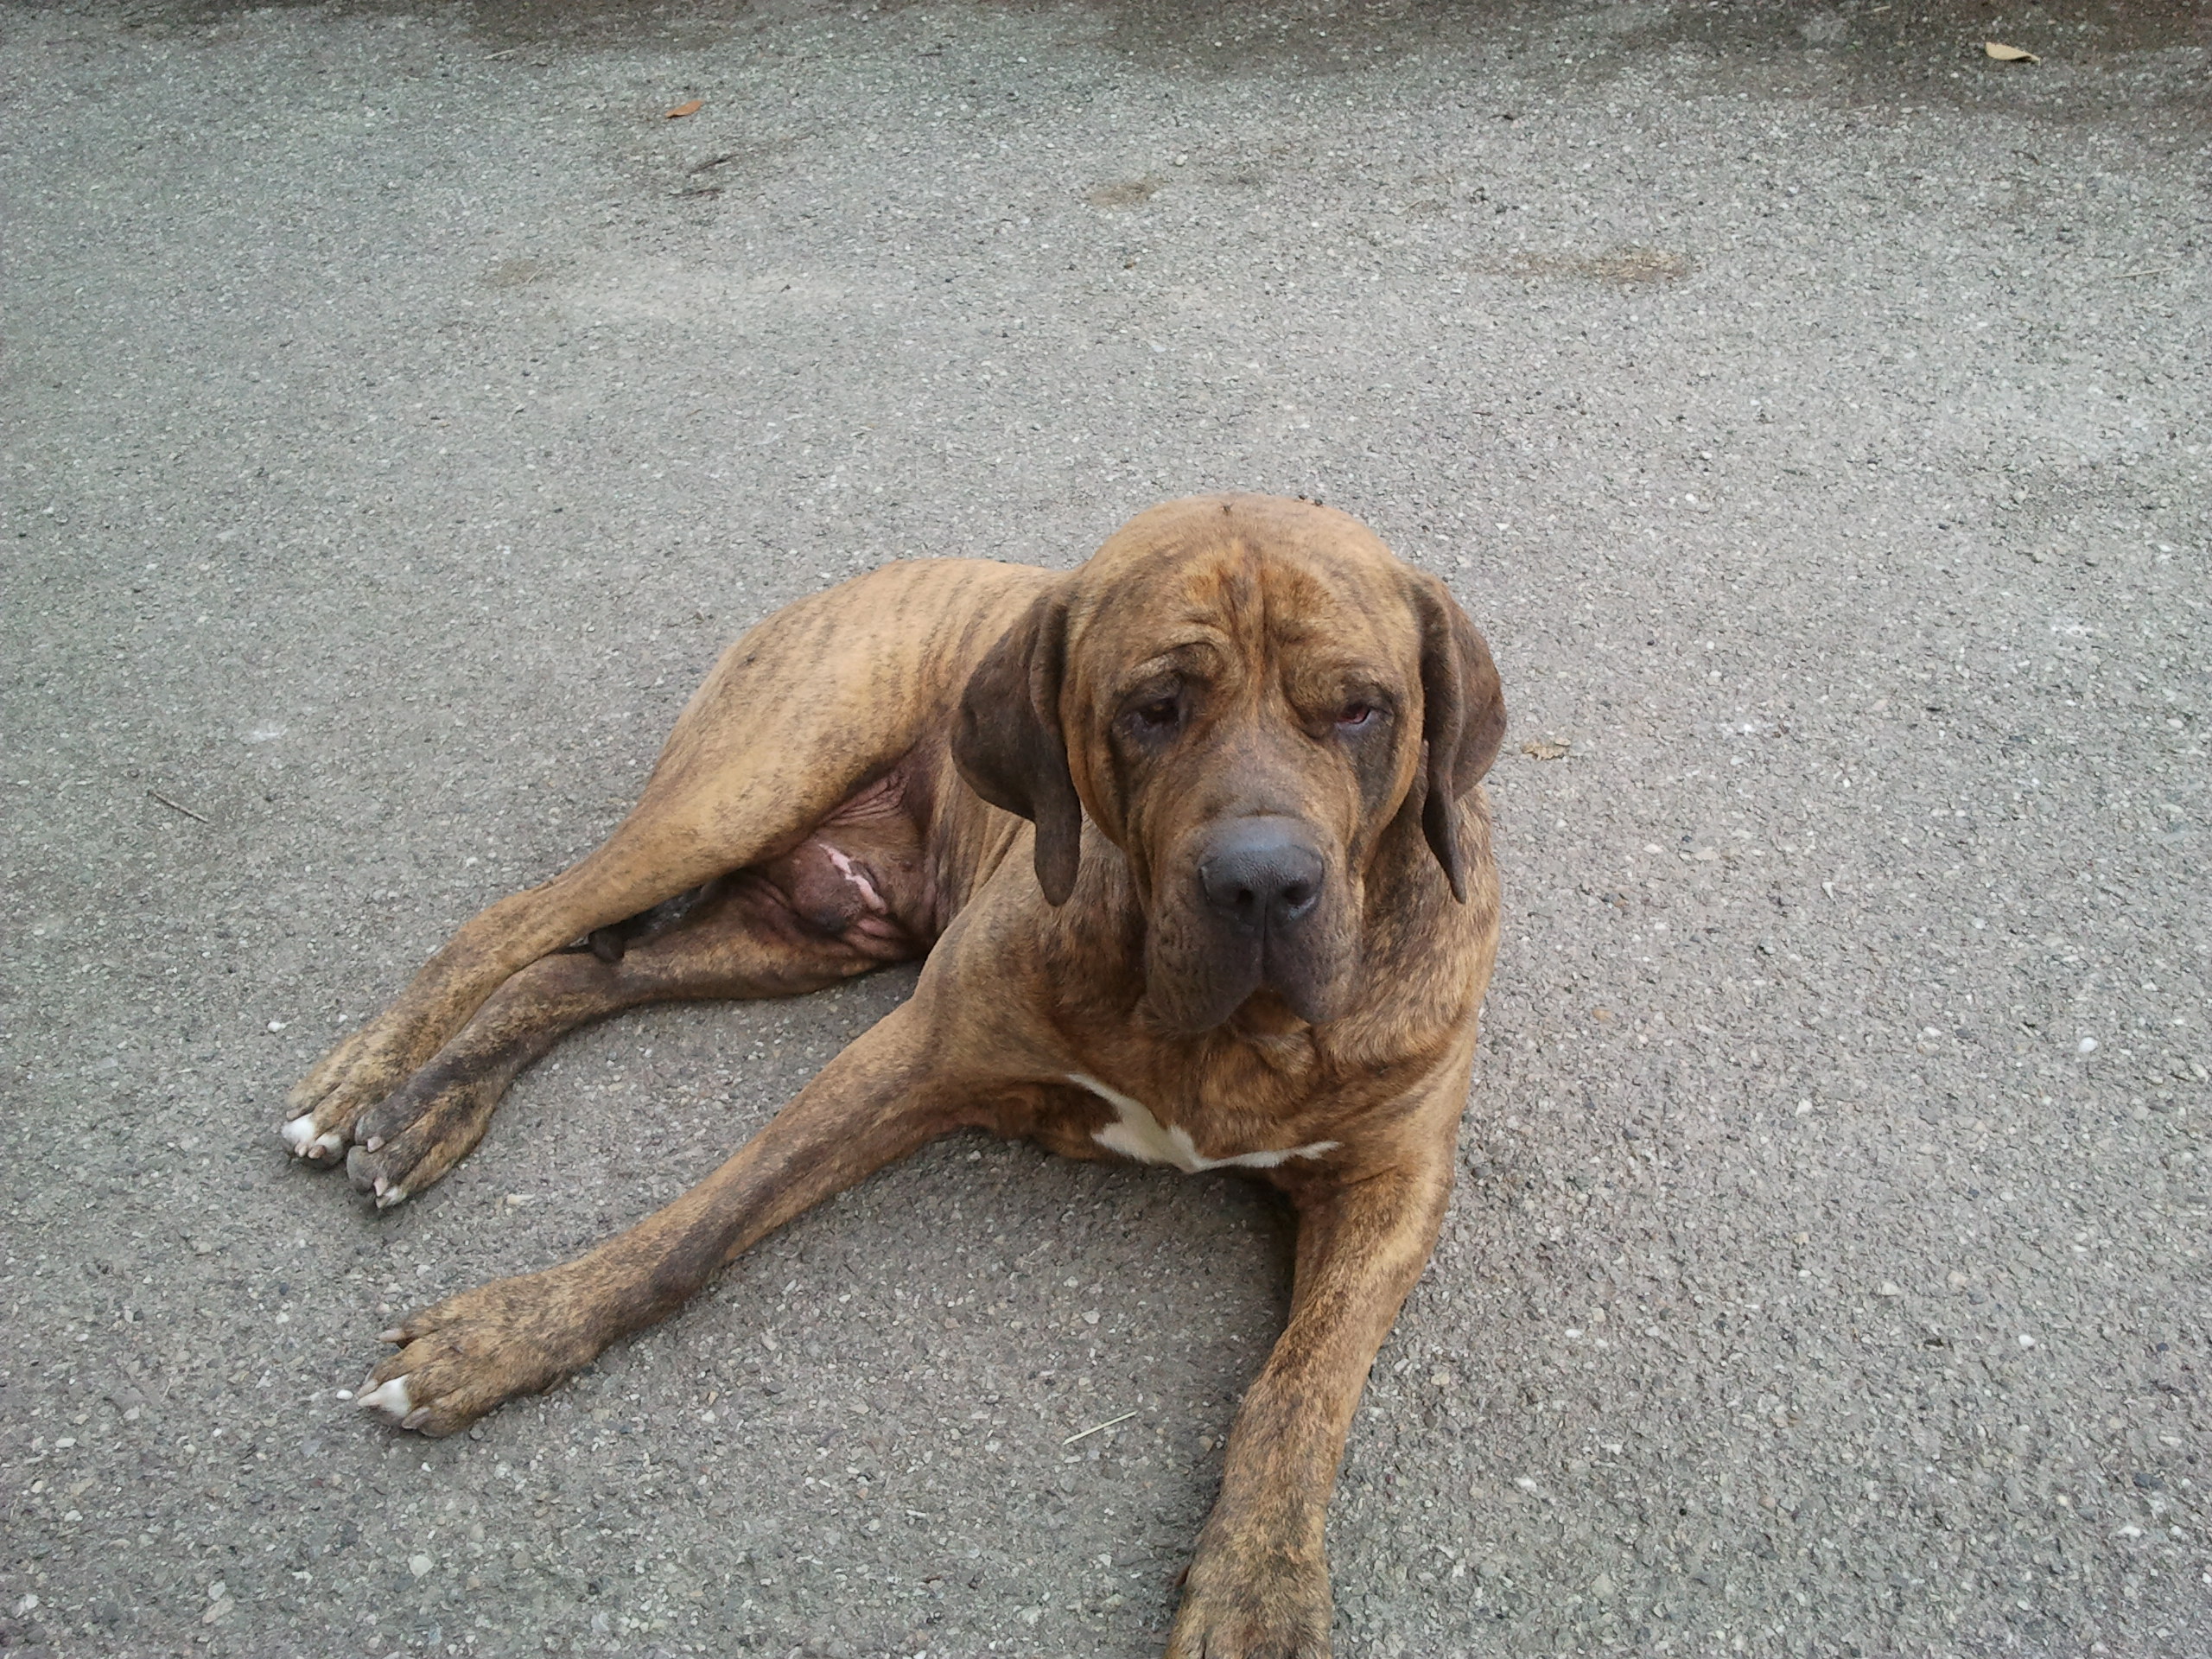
{"x": 1262, "y": 873}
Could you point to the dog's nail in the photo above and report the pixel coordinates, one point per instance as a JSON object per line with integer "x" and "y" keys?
{"x": 327, "y": 1144}
{"x": 394, "y": 1334}
{"x": 415, "y": 1418}
{"x": 382, "y": 1182}
{"x": 386, "y": 1199}
{"x": 376, "y": 1142}
{"x": 392, "y": 1399}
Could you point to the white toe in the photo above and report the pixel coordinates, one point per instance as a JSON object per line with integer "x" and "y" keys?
{"x": 299, "y": 1133}
{"x": 329, "y": 1143}
{"x": 390, "y": 1399}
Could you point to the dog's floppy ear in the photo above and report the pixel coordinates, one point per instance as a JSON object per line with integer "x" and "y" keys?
{"x": 1463, "y": 719}
{"x": 1008, "y": 744}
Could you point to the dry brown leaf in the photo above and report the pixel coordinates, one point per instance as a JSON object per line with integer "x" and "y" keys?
{"x": 1545, "y": 751}
{"x": 681, "y": 110}
{"x": 2005, "y": 53}
{"x": 1134, "y": 194}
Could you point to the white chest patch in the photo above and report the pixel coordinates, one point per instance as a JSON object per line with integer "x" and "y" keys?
{"x": 1145, "y": 1138}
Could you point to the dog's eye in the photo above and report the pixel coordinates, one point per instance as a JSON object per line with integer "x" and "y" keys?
{"x": 1355, "y": 716}
{"x": 1158, "y": 715}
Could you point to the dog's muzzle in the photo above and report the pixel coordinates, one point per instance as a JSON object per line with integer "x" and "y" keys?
{"x": 1264, "y": 909}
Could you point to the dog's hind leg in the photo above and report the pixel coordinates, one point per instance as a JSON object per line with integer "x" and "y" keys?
{"x": 651, "y": 857}
{"x": 739, "y": 939}
{"x": 794, "y": 716}
{"x": 888, "y": 1093}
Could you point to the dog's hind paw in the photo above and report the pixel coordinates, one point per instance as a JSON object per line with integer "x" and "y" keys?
{"x": 409, "y": 1142}
{"x": 325, "y": 1106}
{"x": 392, "y": 1399}
{"x": 301, "y": 1136}
{"x": 371, "y": 1178}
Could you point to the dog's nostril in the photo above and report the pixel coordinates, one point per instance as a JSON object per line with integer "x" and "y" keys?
{"x": 1261, "y": 872}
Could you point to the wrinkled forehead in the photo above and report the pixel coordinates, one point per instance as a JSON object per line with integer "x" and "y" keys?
{"x": 1251, "y": 573}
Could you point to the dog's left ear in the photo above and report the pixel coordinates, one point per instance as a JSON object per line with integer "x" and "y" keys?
{"x": 1008, "y": 743}
{"x": 1463, "y": 719}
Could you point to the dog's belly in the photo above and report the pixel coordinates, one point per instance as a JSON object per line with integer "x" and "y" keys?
{"x": 860, "y": 879}
{"x": 1138, "y": 1135}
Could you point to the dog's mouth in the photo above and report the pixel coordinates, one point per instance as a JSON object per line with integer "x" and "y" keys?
{"x": 1245, "y": 982}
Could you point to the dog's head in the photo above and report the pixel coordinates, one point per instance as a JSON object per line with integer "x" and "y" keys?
{"x": 1245, "y": 694}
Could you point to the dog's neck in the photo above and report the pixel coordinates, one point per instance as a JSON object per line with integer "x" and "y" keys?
{"x": 1267, "y": 1026}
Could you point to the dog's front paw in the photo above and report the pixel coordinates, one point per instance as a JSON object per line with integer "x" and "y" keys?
{"x": 1260, "y": 1604}
{"x": 472, "y": 1351}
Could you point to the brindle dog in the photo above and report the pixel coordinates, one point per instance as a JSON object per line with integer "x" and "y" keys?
{"x": 1193, "y": 842}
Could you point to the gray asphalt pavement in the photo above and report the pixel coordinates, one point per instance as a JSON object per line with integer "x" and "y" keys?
{"x": 400, "y": 411}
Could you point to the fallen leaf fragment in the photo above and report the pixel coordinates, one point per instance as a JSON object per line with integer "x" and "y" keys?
{"x": 1545, "y": 751}
{"x": 2008, "y": 53}
{"x": 698, "y": 104}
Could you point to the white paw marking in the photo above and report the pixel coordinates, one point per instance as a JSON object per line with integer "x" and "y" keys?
{"x": 1145, "y": 1138}
{"x": 390, "y": 1399}
{"x": 300, "y": 1135}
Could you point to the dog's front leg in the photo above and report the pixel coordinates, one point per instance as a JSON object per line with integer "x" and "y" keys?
{"x": 1258, "y": 1584}
{"x": 878, "y": 1101}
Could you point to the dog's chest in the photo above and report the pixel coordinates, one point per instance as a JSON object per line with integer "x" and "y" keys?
{"x": 1138, "y": 1135}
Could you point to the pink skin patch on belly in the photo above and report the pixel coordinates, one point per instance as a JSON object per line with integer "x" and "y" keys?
{"x": 853, "y": 873}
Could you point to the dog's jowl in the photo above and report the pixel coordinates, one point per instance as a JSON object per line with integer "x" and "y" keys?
{"x": 1192, "y": 843}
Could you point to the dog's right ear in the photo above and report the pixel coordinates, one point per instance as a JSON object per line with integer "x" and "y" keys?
{"x": 1008, "y": 743}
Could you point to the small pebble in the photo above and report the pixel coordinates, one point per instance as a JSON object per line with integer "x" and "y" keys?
{"x": 419, "y": 1565}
